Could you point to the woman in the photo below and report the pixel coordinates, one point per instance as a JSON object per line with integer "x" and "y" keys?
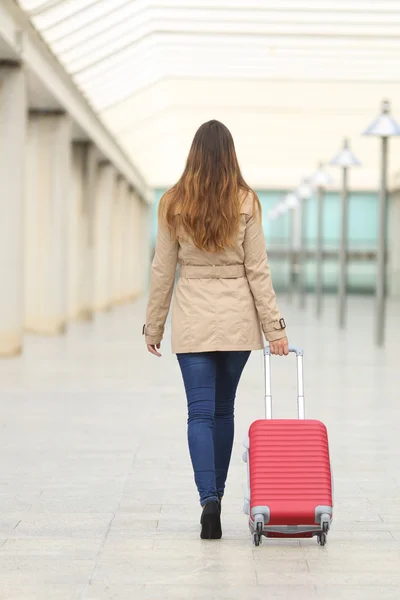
{"x": 210, "y": 224}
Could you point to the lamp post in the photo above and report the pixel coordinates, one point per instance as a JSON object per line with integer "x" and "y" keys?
{"x": 292, "y": 202}
{"x": 344, "y": 159}
{"x": 384, "y": 127}
{"x": 278, "y": 211}
{"x": 304, "y": 192}
{"x": 281, "y": 209}
{"x": 272, "y": 215}
{"x": 321, "y": 179}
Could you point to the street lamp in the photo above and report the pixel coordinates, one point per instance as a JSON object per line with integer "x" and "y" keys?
{"x": 281, "y": 208}
{"x": 384, "y": 127}
{"x": 344, "y": 159}
{"x": 274, "y": 213}
{"x": 320, "y": 180}
{"x": 291, "y": 201}
{"x": 304, "y": 193}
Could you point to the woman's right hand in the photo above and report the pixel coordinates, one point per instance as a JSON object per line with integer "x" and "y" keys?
{"x": 153, "y": 349}
{"x": 280, "y": 347}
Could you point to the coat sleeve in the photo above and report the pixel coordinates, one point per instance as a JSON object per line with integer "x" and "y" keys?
{"x": 162, "y": 281}
{"x": 259, "y": 277}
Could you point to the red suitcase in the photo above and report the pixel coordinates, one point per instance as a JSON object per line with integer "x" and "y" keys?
{"x": 290, "y": 486}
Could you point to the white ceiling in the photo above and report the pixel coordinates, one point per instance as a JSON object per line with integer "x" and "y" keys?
{"x": 289, "y": 77}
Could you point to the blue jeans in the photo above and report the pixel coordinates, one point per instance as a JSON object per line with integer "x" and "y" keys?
{"x": 211, "y": 380}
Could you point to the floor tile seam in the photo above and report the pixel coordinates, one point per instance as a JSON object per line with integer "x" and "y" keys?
{"x": 105, "y": 536}
{"x": 129, "y": 471}
{"x": 95, "y": 561}
{"x": 370, "y": 503}
{"x": 348, "y": 586}
{"x": 178, "y": 578}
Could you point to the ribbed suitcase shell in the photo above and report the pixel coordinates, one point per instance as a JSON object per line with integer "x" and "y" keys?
{"x": 290, "y": 469}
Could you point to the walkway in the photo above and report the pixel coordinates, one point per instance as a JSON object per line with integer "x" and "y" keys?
{"x": 96, "y": 494}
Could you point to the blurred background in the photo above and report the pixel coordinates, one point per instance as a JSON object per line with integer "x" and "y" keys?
{"x": 99, "y": 102}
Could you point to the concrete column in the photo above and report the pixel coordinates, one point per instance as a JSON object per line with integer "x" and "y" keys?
{"x": 394, "y": 245}
{"x": 81, "y": 232}
{"x": 13, "y": 110}
{"x": 142, "y": 244}
{"x": 106, "y": 189}
{"x": 118, "y": 241}
{"x": 48, "y": 173}
{"x": 74, "y": 232}
{"x": 145, "y": 245}
{"x": 138, "y": 251}
{"x": 128, "y": 233}
{"x": 88, "y": 212}
{"x": 135, "y": 251}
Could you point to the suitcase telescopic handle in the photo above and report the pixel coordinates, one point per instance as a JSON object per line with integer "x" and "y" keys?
{"x": 300, "y": 381}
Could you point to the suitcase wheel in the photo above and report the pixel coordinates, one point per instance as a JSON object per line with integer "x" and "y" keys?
{"x": 322, "y": 539}
{"x": 257, "y": 538}
{"x": 257, "y": 535}
{"x": 325, "y": 523}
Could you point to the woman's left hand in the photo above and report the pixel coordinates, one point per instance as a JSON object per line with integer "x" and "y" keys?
{"x": 152, "y": 348}
{"x": 280, "y": 347}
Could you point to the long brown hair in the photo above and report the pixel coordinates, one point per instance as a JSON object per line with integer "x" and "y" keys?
{"x": 210, "y": 192}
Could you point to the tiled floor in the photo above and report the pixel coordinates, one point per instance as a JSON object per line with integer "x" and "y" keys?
{"x": 97, "y": 500}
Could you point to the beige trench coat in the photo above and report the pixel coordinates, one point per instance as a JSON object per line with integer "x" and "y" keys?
{"x": 220, "y": 298}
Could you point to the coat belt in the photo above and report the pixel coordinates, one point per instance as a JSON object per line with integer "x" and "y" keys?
{"x": 212, "y": 271}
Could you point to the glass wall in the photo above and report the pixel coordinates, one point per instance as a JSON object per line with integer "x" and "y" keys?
{"x": 362, "y": 238}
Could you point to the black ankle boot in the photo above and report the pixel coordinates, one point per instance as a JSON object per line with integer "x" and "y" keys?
{"x": 211, "y": 521}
